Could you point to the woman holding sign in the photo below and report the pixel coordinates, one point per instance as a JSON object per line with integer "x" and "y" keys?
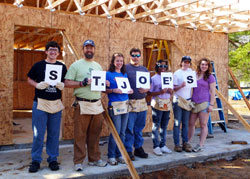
{"x": 203, "y": 97}
{"x": 161, "y": 106}
{"x": 181, "y": 112}
{"x": 118, "y": 106}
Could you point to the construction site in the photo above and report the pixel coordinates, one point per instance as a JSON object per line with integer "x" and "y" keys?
{"x": 166, "y": 29}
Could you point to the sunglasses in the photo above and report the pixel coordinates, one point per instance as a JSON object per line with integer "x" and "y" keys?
{"x": 135, "y": 55}
{"x": 162, "y": 66}
{"x": 186, "y": 62}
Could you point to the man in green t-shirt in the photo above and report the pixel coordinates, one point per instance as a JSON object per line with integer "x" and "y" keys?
{"x": 88, "y": 116}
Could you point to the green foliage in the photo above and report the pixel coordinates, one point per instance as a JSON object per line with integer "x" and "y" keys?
{"x": 239, "y": 55}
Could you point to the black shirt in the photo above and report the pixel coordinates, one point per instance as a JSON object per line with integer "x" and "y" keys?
{"x": 37, "y": 73}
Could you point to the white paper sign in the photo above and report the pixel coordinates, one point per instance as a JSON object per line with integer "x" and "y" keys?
{"x": 98, "y": 80}
{"x": 142, "y": 80}
{"x": 190, "y": 79}
{"x": 167, "y": 80}
{"x": 123, "y": 84}
{"x": 53, "y": 74}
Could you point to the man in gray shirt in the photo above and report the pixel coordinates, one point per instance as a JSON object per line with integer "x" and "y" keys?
{"x": 137, "y": 117}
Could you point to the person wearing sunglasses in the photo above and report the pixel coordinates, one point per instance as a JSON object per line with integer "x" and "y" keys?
{"x": 137, "y": 117}
{"x": 161, "y": 106}
{"x": 181, "y": 115}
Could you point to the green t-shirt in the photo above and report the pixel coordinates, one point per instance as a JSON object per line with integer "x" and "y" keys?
{"x": 78, "y": 71}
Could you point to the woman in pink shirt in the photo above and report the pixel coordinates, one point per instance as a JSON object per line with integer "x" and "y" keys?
{"x": 204, "y": 92}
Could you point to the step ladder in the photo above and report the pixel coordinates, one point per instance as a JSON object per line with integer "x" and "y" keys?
{"x": 160, "y": 46}
{"x": 219, "y": 109}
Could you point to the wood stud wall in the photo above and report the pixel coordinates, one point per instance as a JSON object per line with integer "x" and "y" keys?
{"x": 110, "y": 35}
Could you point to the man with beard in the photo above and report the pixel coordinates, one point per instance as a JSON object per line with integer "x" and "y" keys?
{"x": 88, "y": 109}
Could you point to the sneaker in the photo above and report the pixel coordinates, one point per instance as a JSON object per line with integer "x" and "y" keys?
{"x": 54, "y": 166}
{"x": 165, "y": 149}
{"x": 78, "y": 167}
{"x": 34, "y": 167}
{"x": 112, "y": 161}
{"x": 120, "y": 160}
{"x": 98, "y": 163}
{"x": 157, "y": 151}
{"x": 139, "y": 152}
{"x": 187, "y": 147}
{"x": 132, "y": 157}
{"x": 197, "y": 148}
{"x": 178, "y": 148}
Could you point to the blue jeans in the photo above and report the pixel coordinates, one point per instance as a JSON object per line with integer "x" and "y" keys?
{"x": 120, "y": 122}
{"x": 40, "y": 121}
{"x": 136, "y": 123}
{"x": 160, "y": 120}
{"x": 180, "y": 116}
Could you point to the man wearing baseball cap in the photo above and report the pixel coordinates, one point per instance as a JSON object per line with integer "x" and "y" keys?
{"x": 88, "y": 109}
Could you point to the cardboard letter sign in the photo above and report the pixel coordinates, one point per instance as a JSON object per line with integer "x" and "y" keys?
{"x": 167, "y": 80}
{"x": 123, "y": 84}
{"x": 142, "y": 80}
{"x": 98, "y": 80}
{"x": 53, "y": 74}
{"x": 190, "y": 79}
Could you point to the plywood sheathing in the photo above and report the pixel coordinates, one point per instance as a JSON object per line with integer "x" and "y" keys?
{"x": 110, "y": 36}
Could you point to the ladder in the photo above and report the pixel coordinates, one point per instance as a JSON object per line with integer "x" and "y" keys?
{"x": 161, "y": 45}
{"x": 221, "y": 122}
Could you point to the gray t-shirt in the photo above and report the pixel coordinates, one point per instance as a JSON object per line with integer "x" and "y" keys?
{"x": 131, "y": 71}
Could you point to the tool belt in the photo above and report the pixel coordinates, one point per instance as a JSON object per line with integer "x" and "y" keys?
{"x": 198, "y": 107}
{"x": 184, "y": 104}
{"x": 92, "y": 107}
{"x": 138, "y": 105}
{"x": 120, "y": 107}
{"x": 49, "y": 106}
{"x": 161, "y": 104}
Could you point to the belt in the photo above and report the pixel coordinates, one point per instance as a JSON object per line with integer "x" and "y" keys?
{"x": 89, "y": 100}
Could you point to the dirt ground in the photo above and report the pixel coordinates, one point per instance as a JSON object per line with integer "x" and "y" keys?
{"x": 237, "y": 167}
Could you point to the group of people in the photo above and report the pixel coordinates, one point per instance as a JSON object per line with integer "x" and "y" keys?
{"x": 128, "y": 111}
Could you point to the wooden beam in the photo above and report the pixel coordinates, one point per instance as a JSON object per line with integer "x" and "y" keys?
{"x": 239, "y": 88}
{"x": 120, "y": 145}
{"x": 69, "y": 5}
{"x": 129, "y": 6}
{"x": 112, "y": 4}
{"x": 168, "y": 7}
{"x": 92, "y": 5}
{"x": 235, "y": 113}
{"x": 195, "y": 10}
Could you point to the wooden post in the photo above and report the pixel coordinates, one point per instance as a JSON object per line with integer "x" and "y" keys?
{"x": 118, "y": 141}
{"x": 71, "y": 45}
{"x": 121, "y": 146}
{"x": 236, "y": 114}
{"x": 239, "y": 88}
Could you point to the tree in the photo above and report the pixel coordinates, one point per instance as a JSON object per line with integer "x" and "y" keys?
{"x": 239, "y": 55}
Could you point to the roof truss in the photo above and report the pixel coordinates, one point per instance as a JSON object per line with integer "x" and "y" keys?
{"x": 209, "y": 15}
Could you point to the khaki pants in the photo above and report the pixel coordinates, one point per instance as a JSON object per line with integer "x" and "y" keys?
{"x": 87, "y": 130}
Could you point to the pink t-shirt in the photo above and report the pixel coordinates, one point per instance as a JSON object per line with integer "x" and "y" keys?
{"x": 201, "y": 92}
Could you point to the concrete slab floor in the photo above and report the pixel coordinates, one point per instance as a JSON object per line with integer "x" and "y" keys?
{"x": 15, "y": 163}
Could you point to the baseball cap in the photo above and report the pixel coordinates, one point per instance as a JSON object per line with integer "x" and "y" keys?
{"x": 186, "y": 58}
{"x": 89, "y": 42}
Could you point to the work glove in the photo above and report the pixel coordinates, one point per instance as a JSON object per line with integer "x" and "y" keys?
{"x": 84, "y": 82}
{"x": 42, "y": 85}
{"x": 60, "y": 85}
